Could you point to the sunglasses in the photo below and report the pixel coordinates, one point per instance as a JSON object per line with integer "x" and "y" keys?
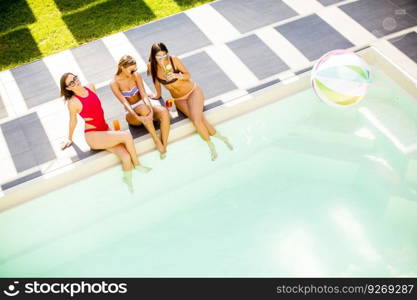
{"x": 159, "y": 57}
{"x": 72, "y": 82}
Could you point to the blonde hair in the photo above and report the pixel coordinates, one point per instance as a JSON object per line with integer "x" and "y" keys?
{"x": 125, "y": 61}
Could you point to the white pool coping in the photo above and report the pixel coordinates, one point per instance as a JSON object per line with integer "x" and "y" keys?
{"x": 401, "y": 71}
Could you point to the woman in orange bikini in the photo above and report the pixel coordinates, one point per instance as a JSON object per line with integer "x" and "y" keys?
{"x": 188, "y": 96}
{"x": 128, "y": 88}
{"x": 84, "y": 101}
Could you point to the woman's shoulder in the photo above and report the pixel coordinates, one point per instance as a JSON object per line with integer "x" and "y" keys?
{"x": 91, "y": 87}
{"x": 73, "y": 102}
{"x": 175, "y": 59}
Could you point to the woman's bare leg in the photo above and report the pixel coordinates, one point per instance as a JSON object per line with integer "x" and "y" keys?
{"x": 183, "y": 107}
{"x": 109, "y": 139}
{"x": 162, "y": 114}
{"x": 124, "y": 157}
{"x": 143, "y": 110}
{"x": 195, "y": 107}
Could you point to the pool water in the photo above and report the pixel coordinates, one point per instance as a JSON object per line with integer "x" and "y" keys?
{"x": 310, "y": 190}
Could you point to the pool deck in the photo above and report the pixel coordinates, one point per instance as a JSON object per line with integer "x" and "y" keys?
{"x": 231, "y": 47}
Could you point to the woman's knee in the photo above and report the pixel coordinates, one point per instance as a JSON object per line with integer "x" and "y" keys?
{"x": 126, "y": 136}
{"x": 132, "y": 120}
{"x": 165, "y": 116}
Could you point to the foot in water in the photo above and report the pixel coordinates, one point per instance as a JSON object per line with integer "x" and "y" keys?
{"x": 163, "y": 153}
{"x": 162, "y": 150}
{"x": 224, "y": 140}
{"x": 142, "y": 168}
{"x": 213, "y": 151}
{"x": 127, "y": 179}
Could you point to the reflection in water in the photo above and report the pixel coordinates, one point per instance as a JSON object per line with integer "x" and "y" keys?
{"x": 296, "y": 251}
{"x": 355, "y": 234}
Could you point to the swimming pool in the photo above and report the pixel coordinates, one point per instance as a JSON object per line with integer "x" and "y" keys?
{"x": 310, "y": 190}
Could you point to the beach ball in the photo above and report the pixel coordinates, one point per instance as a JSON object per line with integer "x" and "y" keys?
{"x": 340, "y": 78}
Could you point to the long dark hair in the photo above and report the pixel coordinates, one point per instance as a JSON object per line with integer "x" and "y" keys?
{"x": 67, "y": 94}
{"x": 156, "y": 47}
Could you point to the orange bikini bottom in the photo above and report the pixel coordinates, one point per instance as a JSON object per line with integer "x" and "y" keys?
{"x": 184, "y": 97}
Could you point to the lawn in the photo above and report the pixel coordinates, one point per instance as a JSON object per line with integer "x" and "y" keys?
{"x": 32, "y": 29}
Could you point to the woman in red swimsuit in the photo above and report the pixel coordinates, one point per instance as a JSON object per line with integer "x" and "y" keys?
{"x": 83, "y": 100}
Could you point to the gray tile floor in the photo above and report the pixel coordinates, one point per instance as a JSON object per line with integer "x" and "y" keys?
{"x": 209, "y": 76}
{"x": 178, "y": 33}
{"x": 247, "y": 15}
{"x": 35, "y": 83}
{"x": 95, "y": 61}
{"x": 408, "y": 44}
{"x": 410, "y": 6}
{"x": 313, "y": 36}
{"x": 382, "y": 17}
{"x": 257, "y": 56}
{"x": 27, "y": 142}
{"x": 329, "y": 2}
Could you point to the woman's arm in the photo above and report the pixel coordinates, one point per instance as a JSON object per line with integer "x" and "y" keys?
{"x": 73, "y": 109}
{"x": 158, "y": 92}
{"x": 116, "y": 91}
{"x": 185, "y": 74}
{"x": 141, "y": 87}
{"x": 156, "y": 83}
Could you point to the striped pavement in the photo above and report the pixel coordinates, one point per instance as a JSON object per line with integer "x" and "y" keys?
{"x": 231, "y": 47}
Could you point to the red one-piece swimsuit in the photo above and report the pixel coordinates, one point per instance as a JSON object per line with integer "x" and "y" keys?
{"x": 92, "y": 112}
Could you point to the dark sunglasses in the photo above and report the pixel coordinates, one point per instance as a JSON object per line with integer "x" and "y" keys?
{"x": 72, "y": 82}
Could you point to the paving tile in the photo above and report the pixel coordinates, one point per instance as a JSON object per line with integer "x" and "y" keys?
{"x": 382, "y": 17}
{"x": 329, "y": 2}
{"x": 208, "y": 75}
{"x": 407, "y": 44}
{"x": 213, "y": 105}
{"x": 16, "y": 140}
{"x": 95, "y": 61}
{"x": 111, "y": 105}
{"x": 312, "y": 36}
{"x": 177, "y": 32}
{"x": 247, "y": 15}
{"x": 24, "y": 161}
{"x": 27, "y": 141}
{"x": 303, "y": 70}
{"x": 262, "y": 86}
{"x": 409, "y": 6}
{"x": 43, "y": 153}
{"x": 257, "y": 56}
{"x": 20, "y": 180}
{"x": 35, "y": 82}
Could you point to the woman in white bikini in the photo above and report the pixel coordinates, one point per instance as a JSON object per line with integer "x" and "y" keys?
{"x": 188, "y": 96}
{"x": 128, "y": 88}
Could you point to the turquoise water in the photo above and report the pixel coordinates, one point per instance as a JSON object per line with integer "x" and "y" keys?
{"x": 310, "y": 190}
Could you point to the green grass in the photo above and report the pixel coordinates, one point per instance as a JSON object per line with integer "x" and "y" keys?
{"x": 32, "y": 29}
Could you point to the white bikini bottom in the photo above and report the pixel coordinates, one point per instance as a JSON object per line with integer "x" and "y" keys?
{"x": 134, "y": 105}
{"x": 141, "y": 102}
